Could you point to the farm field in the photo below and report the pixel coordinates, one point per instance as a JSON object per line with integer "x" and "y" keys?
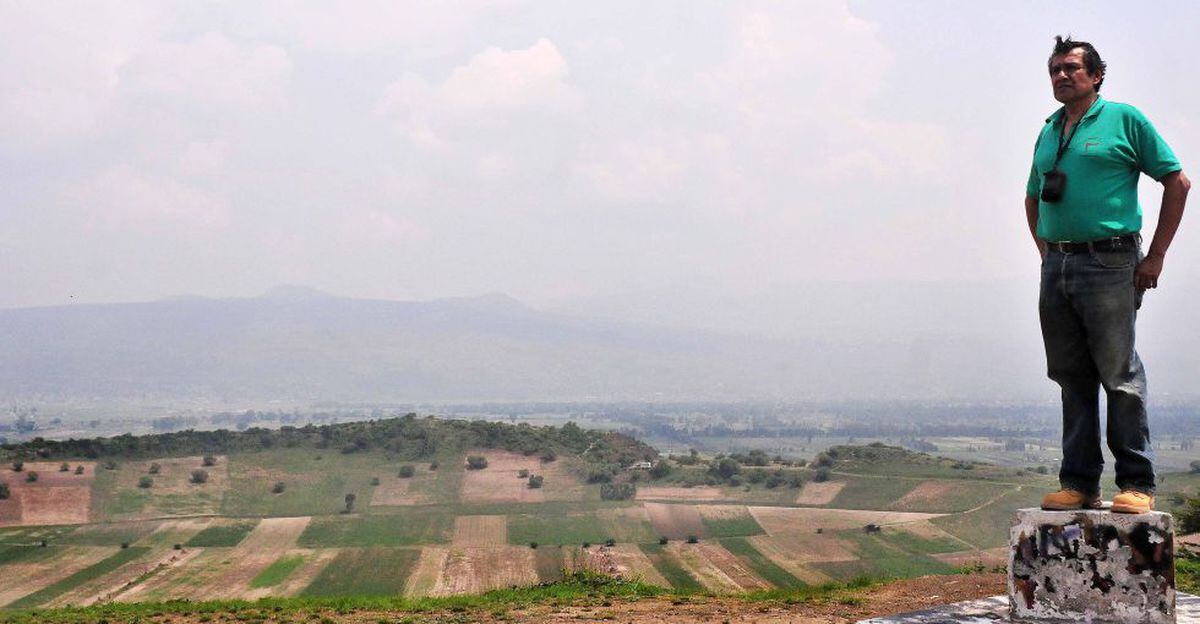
{"x": 446, "y": 530}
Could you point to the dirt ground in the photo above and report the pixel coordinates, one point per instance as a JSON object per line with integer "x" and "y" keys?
{"x": 676, "y": 521}
{"x": 480, "y": 531}
{"x": 57, "y": 497}
{"x": 924, "y": 493}
{"x": 25, "y": 578}
{"x": 680, "y": 493}
{"x": 476, "y": 570}
{"x": 814, "y": 493}
{"x": 716, "y": 568}
{"x": 499, "y": 483}
{"x": 785, "y": 520}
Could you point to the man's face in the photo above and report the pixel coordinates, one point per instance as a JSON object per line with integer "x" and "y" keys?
{"x": 1069, "y": 77}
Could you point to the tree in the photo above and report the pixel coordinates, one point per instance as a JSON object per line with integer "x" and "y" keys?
{"x": 18, "y": 466}
{"x": 78, "y": 470}
{"x": 821, "y": 476}
{"x": 145, "y": 482}
{"x": 154, "y": 468}
{"x": 31, "y": 476}
{"x": 725, "y": 468}
{"x": 209, "y": 460}
{"x": 350, "y": 498}
{"x": 4, "y": 493}
{"x": 199, "y": 476}
{"x": 522, "y": 473}
{"x": 407, "y": 471}
{"x": 660, "y": 470}
{"x": 64, "y": 467}
{"x": 535, "y": 481}
{"x": 1195, "y": 466}
{"x": 278, "y": 487}
{"x": 476, "y": 462}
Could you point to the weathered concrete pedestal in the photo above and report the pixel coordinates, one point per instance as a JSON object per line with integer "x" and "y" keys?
{"x": 1080, "y": 566}
{"x": 1092, "y": 566}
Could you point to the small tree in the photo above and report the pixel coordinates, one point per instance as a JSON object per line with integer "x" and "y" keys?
{"x": 548, "y": 457}
{"x": 821, "y": 476}
{"x": 154, "y": 468}
{"x": 350, "y": 498}
{"x": 278, "y": 488}
{"x": 1195, "y": 466}
{"x": 535, "y": 481}
{"x": 209, "y": 460}
{"x": 407, "y": 471}
{"x": 662, "y": 541}
{"x": 78, "y": 470}
{"x": 31, "y": 476}
{"x": 374, "y": 480}
{"x": 145, "y": 482}
{"x": 433, "y": 465}
{"x": 18, "y": 466}
{"x": 692, "y": 539}
{"x": 523, "y": 473}
{"x": 660, "y": 469}
{"x": 4, "y": 493}
{"x": 533, "y": 545}
{"x": 199, "y": 476}
{"x": 476, "y": 462}
{"x": 64, "y": 467}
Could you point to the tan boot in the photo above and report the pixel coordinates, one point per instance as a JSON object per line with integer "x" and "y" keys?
{"x": 1133, "y": 502}
{"x": 1066, "y": 500}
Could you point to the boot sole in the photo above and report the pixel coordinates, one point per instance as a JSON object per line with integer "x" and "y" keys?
{"x": 1092, "y": 505}
{"x": 1131, "y": 510}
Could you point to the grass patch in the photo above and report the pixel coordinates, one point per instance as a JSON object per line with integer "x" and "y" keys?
{"x": 870, "y": 492}
{"x": 1187, "y": 574}
{"x": 762, "y": 566}
{"x": 89, "y": 573}
{"x": 670, "y": 569}
{"x": 109, "y": 534}
{"x": 739, "y": 526}
{"x": 32, "y": 536}
{"x": 987, "y": 527}
{"x": 312, "y": 486}
{"x": 365, "y": 572}
{"x": 24, "y": 554}
{"x": 223, "y": 535}
{"x": 410, "y": 528}
{"x": 277, "y": 572}
{"x": 884, "y": 556}
{"x": 571, "y": 524}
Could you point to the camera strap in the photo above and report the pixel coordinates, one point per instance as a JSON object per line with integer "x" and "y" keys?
{"x": 1063, "y": 145}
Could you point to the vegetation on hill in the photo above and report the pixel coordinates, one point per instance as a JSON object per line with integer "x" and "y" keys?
{"x": 406, "y": 437}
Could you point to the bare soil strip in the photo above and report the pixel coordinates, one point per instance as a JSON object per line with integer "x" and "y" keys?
{"x": 21, "y": 579}
{"x": 500, "y": 483}
{"x": 475, "y": 570}
{"x": 480, "y": 531}
{"x": 428, "y": 571}
{"x": 727, "y": 562}
{"x": 676, "y": 521}
{"x": 394, "y": 491}
{"x": 791, "y": 520}
{"x": 632, "y": 563}
{"x": 814, "y": 493}
{"x": 710, "y": 576}
{"x": 925, "y": 493}
{"x": 314, "y": 562}
{"x": 703, "y": 493}
{"x": 54, "y": 504}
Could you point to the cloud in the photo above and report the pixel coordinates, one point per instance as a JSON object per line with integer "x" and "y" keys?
{"x": 122, "y": 197}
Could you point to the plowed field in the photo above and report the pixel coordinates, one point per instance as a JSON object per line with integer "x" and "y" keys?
{"x": 480, "y": 531}
{"x": 676, "y": 521}
{"x": 694, "y": 494}
{"x": 475, "y": 570}
{"x": 819, "y": 493}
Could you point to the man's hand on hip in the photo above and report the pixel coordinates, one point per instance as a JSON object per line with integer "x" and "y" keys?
{"x": 1148, "y": 270}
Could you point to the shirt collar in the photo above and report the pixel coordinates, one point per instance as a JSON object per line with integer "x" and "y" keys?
{"x": 1092, "y": 110}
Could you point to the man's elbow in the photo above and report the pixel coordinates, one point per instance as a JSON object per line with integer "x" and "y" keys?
{"x": 1179, "y": 181}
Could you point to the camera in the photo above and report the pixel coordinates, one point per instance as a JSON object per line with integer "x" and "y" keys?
{"x": 1053, "y": 184}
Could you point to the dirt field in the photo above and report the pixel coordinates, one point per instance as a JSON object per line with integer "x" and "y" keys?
{"x": 475, "y": 570}
{"x": 21, "y": 579}
{"x": 393, "y": 490}
{"x": 480, "y": 531}
{"x": 924, "y": 493}
{"x": 499, "y": 483}
{"x": 790, "y": 520}
{"x": 631, "y": 562}
{"x": 680, "y": 493}
{"x": 676, "y": 521}
{"x": 717, "y": 557}
{"x": 793, "y": 557}
{"x": 428, "y": 571}
{"x": 55, "y": 498}
{"x": 819, "y": 493}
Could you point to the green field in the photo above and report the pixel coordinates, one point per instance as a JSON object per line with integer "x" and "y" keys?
{"x": 33, "y": 535}
{"x": 672, "y": 570}
{"x": 89, "y": 573}
{"x": 762, "y": 566}
{"x": 26, "y": 554}
{"x": 226, "y": 535}
{"x": 565, "y": 527}
{"x": 988, "y": 526}
{"x": 113, "y": 534}
{"x": 312, "y": 486}
{"x": 365, "y": 572}
{"x": 411, "y": 528}
{"x": 870, "y": 492}
{"x": 278, "y": 571}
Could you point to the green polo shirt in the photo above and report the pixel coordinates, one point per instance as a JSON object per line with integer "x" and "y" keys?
{"x": 1113, "y": 144}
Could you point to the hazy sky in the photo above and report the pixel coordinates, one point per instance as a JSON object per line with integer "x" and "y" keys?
{"x": 549, "y": 150}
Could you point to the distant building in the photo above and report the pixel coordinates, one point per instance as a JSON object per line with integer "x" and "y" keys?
{"x": 642, "y": 465}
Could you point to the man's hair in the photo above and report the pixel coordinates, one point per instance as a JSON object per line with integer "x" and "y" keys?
{"x": 1091, "y": 58}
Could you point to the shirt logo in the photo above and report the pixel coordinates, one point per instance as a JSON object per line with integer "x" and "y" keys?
{"x": 1091, "y": 146}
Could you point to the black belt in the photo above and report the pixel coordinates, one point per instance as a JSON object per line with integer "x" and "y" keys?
{"x": 1125, "y": 242}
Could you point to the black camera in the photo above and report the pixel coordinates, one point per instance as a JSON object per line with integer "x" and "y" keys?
{"x": 1053, "y": 184}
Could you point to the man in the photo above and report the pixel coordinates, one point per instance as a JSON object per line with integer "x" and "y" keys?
{"x": 1082, "y": 207}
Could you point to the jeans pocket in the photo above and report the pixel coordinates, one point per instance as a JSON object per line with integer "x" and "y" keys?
{"x": 1115, "y": 259}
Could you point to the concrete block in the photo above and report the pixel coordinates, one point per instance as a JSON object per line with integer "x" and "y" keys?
{"x": 1092, "y": 566}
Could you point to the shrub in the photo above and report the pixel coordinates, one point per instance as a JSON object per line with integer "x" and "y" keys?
{"x": 617, "y": 491}
{"x": 145, "y": 482}
{"x": 533, "y": 545}
{"x": 350, "y": 498}
{"x": 821, "y": 476}
{"x": 548, "y": 457}
{"x": 663, "y": 541}
{"x": 476, "y": 462}
{"x": 177, "y": 546}
{"x": 433, "y": 465}
{"x": 278, "y": 488}
{"x": 154, "y": 469}
{"x": 610, "y": 542}
{"x": 110, "y": 465}
{"x": 78, "y": 470}
{"x": 406, "y": 472}
{"x": 535, "y": 481}
{"x": 823, "y": 460}
{"x": 18, "y": 466}
{"x": 660, "y": 470}
{"x": 4, "y": 493}
{"x": 124, "y": 545}
{"x": 31, "y": 476}
{"x": 725, "y": 468}
{"x": 64, "y": 467}
{"x": 1189, "y": 516}
{"x": 522, "y": 473}
{"x": 374, "y": 480}
{"x": 199, "y": 476}
{"x": 692, "y": 539}
{"x": 208, "y": 460}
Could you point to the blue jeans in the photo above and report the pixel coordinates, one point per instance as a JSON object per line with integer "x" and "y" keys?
{"x": 1088, "y": 305}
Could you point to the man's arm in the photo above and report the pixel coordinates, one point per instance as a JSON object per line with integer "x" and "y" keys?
{"x": 1031, "y": 215}
{"x": 1175, "y": 191}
